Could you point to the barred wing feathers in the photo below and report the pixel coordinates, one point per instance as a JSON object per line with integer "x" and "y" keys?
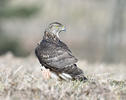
{"x": 55, "y": 56}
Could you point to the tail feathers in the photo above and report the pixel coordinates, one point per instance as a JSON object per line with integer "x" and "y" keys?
{"x": 80, "y": 77}
{"x": 75, "y": 72}
{"x": 67, "y": 77}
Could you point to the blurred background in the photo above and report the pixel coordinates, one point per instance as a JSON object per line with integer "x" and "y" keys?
{"x": 95, "y": 28}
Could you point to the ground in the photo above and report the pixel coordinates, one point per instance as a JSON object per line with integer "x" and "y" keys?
{"x": 21, "y": 79}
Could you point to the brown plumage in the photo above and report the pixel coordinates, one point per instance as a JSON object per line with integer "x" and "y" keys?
{"x": 53, "y": 54}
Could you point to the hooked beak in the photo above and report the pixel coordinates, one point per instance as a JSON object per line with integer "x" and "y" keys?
{"x": 63, "y": 28}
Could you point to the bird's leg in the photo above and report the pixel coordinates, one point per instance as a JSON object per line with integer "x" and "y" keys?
{"x": 45, "y": 73}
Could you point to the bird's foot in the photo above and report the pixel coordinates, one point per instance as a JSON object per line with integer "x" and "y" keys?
{"x": 46, "y": 74}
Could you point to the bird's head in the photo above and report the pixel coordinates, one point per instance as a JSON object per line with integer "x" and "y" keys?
{"x": 55, "y": 28}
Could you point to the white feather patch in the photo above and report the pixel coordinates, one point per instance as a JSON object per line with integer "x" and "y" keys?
{"x": 43, "y": 68}
{"x": 54, "y": 75}
{"x": 65, "y": 76}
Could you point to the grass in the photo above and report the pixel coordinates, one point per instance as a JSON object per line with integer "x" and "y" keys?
{"x": 21, "y": 79}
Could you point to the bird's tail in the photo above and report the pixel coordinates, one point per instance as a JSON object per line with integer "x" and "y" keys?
{"x": 80, "y": 77}
{"x": 76, "y": 73}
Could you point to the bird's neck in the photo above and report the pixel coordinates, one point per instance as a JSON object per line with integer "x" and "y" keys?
{"x": 50, "y": 37}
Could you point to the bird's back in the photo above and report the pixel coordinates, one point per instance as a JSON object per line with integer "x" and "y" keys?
{"x": 55, "y": 55}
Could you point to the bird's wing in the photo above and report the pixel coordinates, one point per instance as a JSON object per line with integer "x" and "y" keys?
{"x": 55, "y": 57}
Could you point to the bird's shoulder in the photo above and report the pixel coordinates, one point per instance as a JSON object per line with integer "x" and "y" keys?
{"x": 64, "y": 46}
{"x": 46, "y": 46}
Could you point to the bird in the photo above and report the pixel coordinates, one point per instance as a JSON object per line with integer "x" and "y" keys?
{"x": 56, "y": 59}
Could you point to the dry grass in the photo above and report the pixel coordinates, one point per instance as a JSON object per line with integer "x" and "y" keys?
{"x": 20, "y": 79}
